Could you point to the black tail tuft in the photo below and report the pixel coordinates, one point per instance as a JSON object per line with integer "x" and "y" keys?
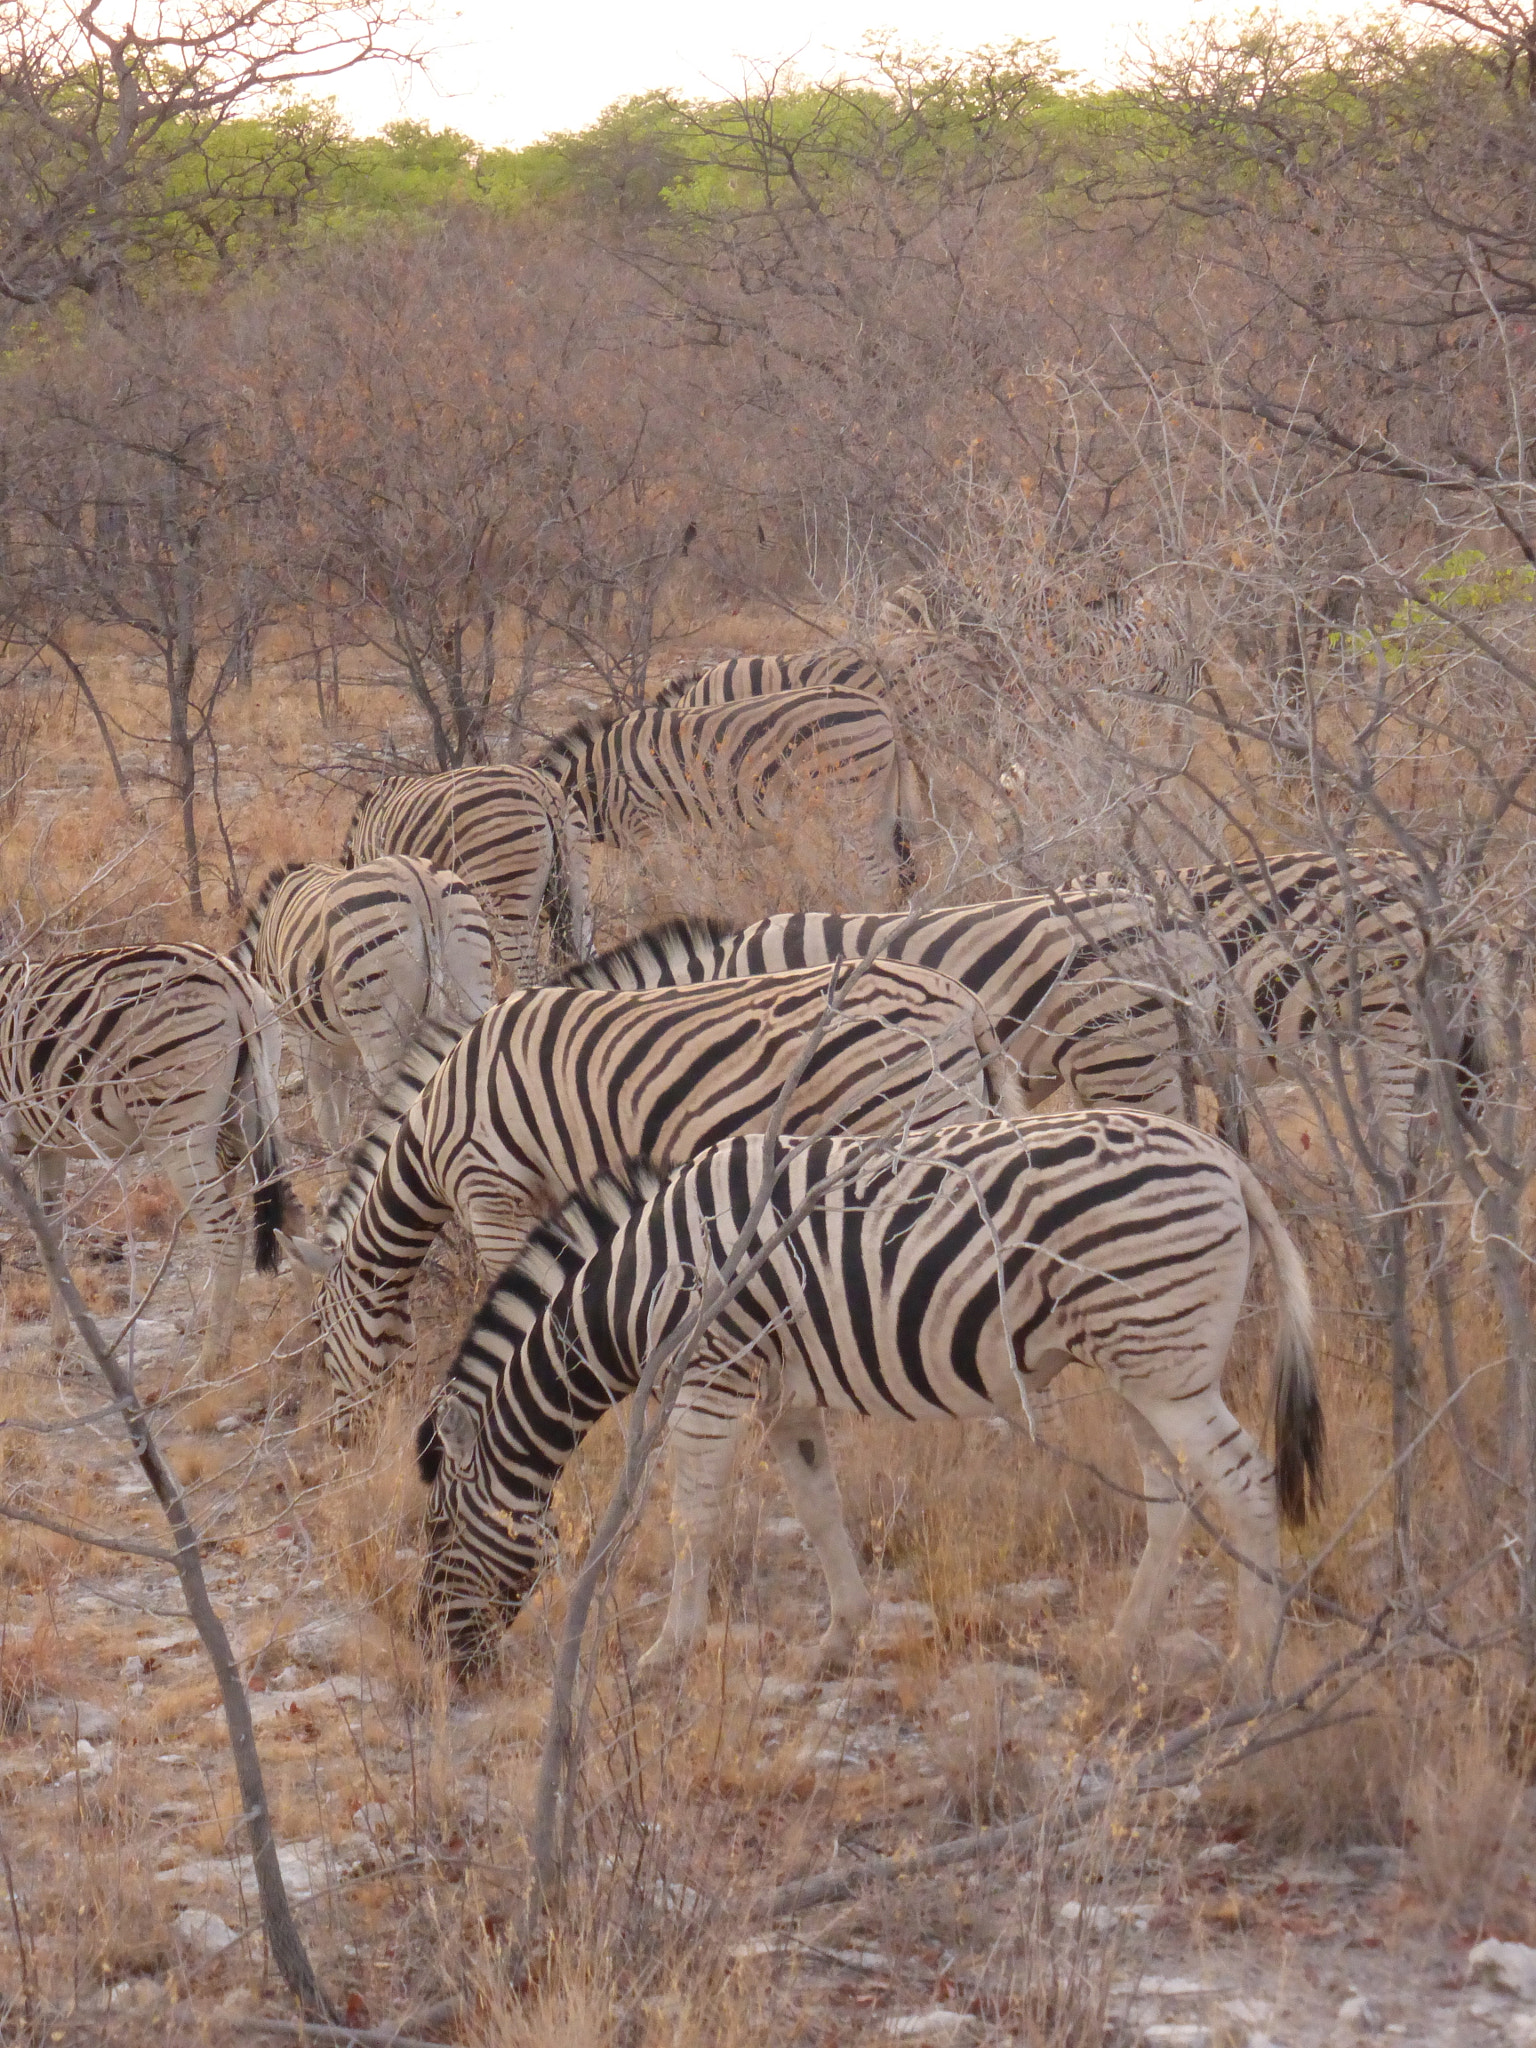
{"x": 906, "y": 872}
{"x": 273, "y": 1212}
{"x": 1299, "y": 1445}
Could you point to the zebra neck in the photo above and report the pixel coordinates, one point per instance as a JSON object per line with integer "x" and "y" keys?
{"x": 432, "y": 1044}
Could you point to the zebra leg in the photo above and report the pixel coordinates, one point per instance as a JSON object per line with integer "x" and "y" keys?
{"x": 326, "y": 1076}
{"x": 210, "y": 1194}
{"x": 51, "y": 1169}
{"x": 1216, "y": 1459}
{"x": 799, "y": 1442}
{"x": 704, "y": 1436}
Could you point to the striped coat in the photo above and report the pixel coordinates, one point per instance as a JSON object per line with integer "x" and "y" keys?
{"x": 953, "y": 1274}
{"x": 359, "y": 960}
{"x": 168, "y": 1053}
{"x": 767, "y": 675}
{"x": 760, "y": 767}
{"x": 508, "y": 832}
{"x": 1124, "y": 992}
{"x": 556, "y": 1085}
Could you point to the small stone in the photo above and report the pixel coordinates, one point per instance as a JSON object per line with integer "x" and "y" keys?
{"x": 133, "y": 1667}
{"x": 202, "y": 1931}
{"x": 1176, "y": 2034}
{"x": 784, "y": 1692}
{"x": 1508, "y": 1966}
{"x": 936, "y": 2026}
{"x": 377, "y": 1819}
{"x": 1359, "y": 2016}
{"x": 1218, "y": 1853}
{"x": 71, "y": 1718}
{"x": 1032, "y": 1596}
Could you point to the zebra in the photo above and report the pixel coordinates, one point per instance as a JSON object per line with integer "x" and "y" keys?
{"x": 951, "y": 1275}
{"x": 514, "y": 838}
{"x": 1119, "y": 990}
{"x": 358, "y": 958}
{"x": 755, "y": 766}
{"x": 555, "y": 1085}
{"x": 768, "y": 675}
{"x": 165, "y": 1051}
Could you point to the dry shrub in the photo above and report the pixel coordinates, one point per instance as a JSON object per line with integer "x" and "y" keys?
{"x": 736, "y": 878}
{"x": 1342, "y": 1786}
{"x": 1464, "y": 1816}
{"x": 980, "y": 1742}
{"x": 366, "y": 1516}
{"x": 31, "y": 1668}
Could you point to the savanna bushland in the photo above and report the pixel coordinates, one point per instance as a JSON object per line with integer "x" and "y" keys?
{"x": 1167, "y": 446}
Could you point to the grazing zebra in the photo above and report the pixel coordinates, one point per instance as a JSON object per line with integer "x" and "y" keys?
{"x": 768, "y": 675}
{"x": 1119, "y": 990}
{"x": 358, "y": 959}
{"x": 761, "y": 767}
{"x": 508, "y": 833}
{"x": 169, "y": 1052}
{"x": 951, "y": 1275}
{"x": 556, "y": 1085}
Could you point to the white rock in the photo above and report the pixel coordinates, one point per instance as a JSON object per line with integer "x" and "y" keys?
{"x": 1359, "y": 2016}
{"x": 1219, "y": 1852}
{"x": 1033, "y": 1594}
{"x": 1508, "y": 1966}
{"x": 1176, "y": 2034}
{"x": 784, "y": 1692}
{"x": 904, "y": 1617}
{"x": 376, "y": 1818}
{"x": 936, "y": 2026}
{"x": 198, "y": 1929}
{"x": 133, "y": 1667}
{"x": 1100, "y": 1919}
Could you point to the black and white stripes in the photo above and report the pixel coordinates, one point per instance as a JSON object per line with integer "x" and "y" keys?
{"x": 555, "y": 1086}
{"x": 360, "y": 960}
{"x": 508, "y": 832}
{"x": 167, "y": 1052}
{"x": 951, "y": 1275}
{"x": 767, "y": 766}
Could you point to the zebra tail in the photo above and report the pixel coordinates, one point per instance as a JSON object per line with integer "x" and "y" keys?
{"x": 1298, "y": 1410}
{"x": 1002, "y": 1074}
{"x": 256, "y": 1081}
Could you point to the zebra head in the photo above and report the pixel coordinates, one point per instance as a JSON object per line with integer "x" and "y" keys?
{"x": 482, "y": 1555}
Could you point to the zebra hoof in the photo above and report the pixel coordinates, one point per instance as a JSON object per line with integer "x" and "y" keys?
{"x": 835, "y": 1652}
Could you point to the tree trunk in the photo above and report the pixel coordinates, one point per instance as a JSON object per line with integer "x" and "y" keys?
{"x": 180, "y": 668}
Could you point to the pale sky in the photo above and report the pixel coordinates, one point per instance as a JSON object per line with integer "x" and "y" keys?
{"x": 509, "y": 73}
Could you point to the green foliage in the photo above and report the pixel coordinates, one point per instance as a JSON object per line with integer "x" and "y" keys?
{"x": 1462, "y": 583}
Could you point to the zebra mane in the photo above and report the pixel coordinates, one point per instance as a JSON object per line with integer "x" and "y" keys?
{"x": 570, "y": 748}
{"x": 676, "y": 943}
{"x": 559, "y": 1245}
{"x": 676, "y": 687}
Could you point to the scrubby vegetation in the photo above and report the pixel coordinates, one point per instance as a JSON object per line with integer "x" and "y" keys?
{"x": 1169, "y": 447}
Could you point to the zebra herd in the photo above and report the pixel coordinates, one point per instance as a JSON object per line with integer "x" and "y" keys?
{"x": 824, "y": 1130}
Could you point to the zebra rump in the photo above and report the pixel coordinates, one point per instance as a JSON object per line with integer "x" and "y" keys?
{"x": 508, "y": 832}
{"x": 948, "y": 1276}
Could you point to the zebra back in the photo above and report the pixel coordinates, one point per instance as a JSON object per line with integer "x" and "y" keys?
{"x": 746, "y": 676}
{"x": 743, "y": 766}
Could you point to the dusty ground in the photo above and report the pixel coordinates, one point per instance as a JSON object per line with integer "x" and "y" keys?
{"x": 1330, "y": 1891}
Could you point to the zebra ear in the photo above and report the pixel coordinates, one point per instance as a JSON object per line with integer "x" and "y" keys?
{"x": 457, "y": 1430}
{"x": 319, "y": 1259}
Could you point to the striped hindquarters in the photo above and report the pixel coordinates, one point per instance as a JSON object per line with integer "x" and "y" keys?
{"x": 362, "y": 957}
{"x": 509, "y": 832}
